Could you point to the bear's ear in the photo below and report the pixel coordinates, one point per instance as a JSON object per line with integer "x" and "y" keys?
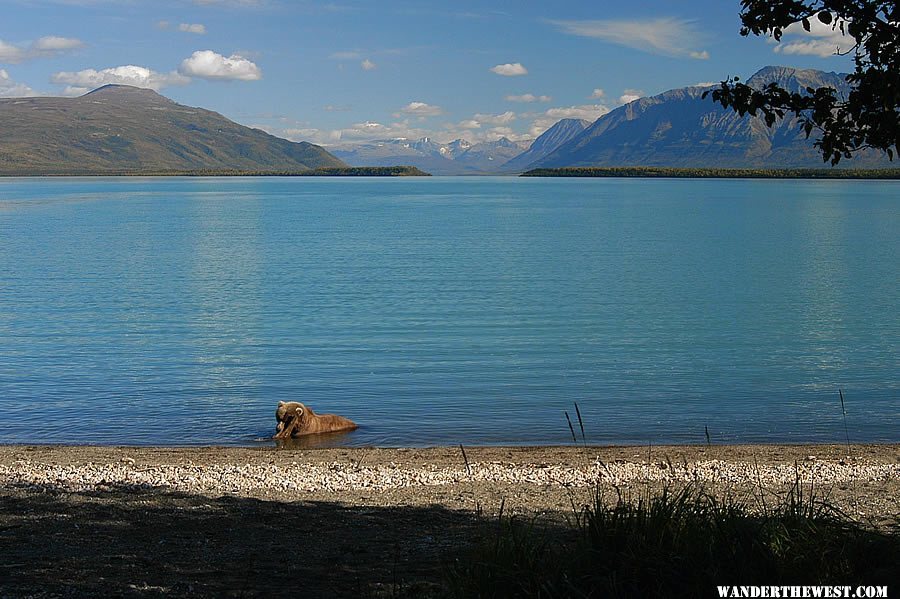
{"x": 280, "y": 403}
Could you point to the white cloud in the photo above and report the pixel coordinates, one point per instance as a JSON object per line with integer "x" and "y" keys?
{"x": 527, "y": 98}
{"x": 207, "y": 64}
{"x": 667, "y": 36}
{"x": 597, "y": 93}
{"x": 371, "y": 130}
{"x": 301, "y": 134}
{"x": 368, "y": 65}
{"x": 589, "y": 112}
{"x": 510, "y": 69}
{"x": 11, "y": 89}
{"x": 53, "y": 44}
{"x": 468, "y": 124}
{"x": 821, "y": 40}
{"x": 421, "y": 109}
{"x": 43, "y": 47}
{"x": 630, "y": 95}
{"x": 83, "y": 81}
{"x": 545, "y": 120}
{"x": 337, "y": 108}
{"x": 496, "y": 119}
{"x": 197, "y": 28}
{"x": 11, "y": 54}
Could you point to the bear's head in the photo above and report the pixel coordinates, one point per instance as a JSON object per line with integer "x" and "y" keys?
{"x": 286, "y": 411}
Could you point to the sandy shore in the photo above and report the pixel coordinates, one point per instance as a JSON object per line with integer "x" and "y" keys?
{"x": 186, "y": 521}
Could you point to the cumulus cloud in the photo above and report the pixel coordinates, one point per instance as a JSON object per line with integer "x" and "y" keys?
{"x": 528, "y": 98}
{"x": 372, "y": 130}
{"x": 545, "y": 120}
{"x": 11, "y": 89}
{"x": 197, "y": 28}
{"x": 421, "y": 109}
{"x": 43, "y": 47}
{"x": 597, "y": 93}
{"x": 509, "y": 69}
{"x": 496, "y": 119}
{"x": 368, "y": 65}
{"x": 666, "y": 36}
{"x": 81, "y": 82}
{"x": 630, "y": 95}
{"x": 54, "y": 44}
{"x": 821, "y": 40}
{"x": 589, "y": 112}
{"x": 11, "y": 54}
{"x": 207, "y": 64}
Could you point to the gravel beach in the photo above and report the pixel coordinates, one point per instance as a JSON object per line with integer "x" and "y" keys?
{"x": 78, "y": 521}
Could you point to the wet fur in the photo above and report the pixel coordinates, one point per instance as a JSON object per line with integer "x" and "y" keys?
{"x": 295, "y": 419}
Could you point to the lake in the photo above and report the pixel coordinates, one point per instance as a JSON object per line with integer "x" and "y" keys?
{"x": 179, "y": 311}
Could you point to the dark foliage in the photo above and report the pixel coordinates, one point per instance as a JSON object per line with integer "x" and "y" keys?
{"x": 869, "y": 117}
{"x": 678, "y": 544}
{"x": 650, "y": 172}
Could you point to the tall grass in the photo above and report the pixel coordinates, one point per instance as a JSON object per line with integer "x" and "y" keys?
{"x": 844, "y": 412}
{"x": 676, "y": 543}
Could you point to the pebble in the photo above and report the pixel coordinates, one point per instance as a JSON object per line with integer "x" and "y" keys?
{"x": 339, "y": 476}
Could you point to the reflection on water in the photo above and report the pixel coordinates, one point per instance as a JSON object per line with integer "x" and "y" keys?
{"x": 444, "y": 311}
{"x": 319, "y": 441}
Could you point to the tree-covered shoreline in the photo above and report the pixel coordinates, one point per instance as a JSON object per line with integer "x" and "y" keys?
{"x": 713, "y": 173}
{"x": 358, "y": 171}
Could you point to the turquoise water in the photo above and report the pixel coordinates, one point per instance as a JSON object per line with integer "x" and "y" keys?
{"x": 449, "y": 310}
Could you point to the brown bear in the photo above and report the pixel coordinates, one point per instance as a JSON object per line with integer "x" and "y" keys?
{"x": 295, "y": 419}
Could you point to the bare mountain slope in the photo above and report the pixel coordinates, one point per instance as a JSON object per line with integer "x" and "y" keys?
{"x": 679, "y": 128}
{"x": 120, "y": 128}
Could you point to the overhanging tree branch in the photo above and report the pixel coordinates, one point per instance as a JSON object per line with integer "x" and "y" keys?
{"x": 870, "y": 116}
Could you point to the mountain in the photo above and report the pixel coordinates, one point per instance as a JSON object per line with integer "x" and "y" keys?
{"x": 679, "y": 128}
{"x": 119, "y": 128}
{"x": 489, "y": 156}
{"x": 548, "y": 141}
{"x": 459, "y": 157}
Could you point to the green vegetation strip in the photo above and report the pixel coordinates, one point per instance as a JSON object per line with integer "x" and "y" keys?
{"x": 359, "y": 171}
{"x": 714, "y": 173}
{"x": 677, "y": 544}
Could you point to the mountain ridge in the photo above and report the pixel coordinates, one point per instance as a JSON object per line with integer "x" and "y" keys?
{"x": 557, "y": 135}
{"x": 680, "y": 129}
{"x": 125, "y": 129}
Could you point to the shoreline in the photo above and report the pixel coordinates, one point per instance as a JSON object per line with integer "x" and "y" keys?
{"x": 358, "y": 522}
{"x": 534, "y": 479}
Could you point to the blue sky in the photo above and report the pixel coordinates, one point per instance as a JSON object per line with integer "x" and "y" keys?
{"x": 337, "y": 71}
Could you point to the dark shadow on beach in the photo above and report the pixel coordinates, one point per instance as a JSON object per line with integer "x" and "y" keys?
{"x": 125, "y": 541}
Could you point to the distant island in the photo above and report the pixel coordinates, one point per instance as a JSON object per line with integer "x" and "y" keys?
{"x": 714, "y": 173}
{"x": 365, "y": 171}
{"x": 335, "y": 171}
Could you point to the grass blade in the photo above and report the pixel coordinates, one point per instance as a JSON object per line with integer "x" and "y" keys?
{"x": 581, "y": 424}
{"x": 571, "y": 428}
{"x": 844, "y": 411}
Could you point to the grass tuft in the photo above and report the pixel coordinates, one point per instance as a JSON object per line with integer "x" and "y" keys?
{"x": 676, "y": 543}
